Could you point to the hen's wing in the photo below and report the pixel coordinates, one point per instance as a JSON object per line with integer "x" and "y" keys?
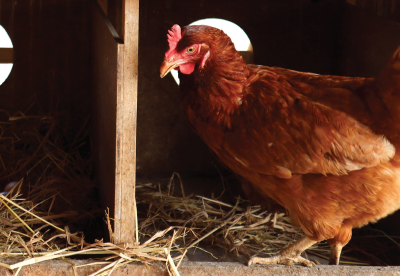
{"x": 280, "y": 131}
{"x": 370, "y": 101}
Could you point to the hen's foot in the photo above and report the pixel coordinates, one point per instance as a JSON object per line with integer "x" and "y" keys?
{"x": 288, "y": 256}
{"x": 279, "y": 259}
{"x": 336, "y": 249}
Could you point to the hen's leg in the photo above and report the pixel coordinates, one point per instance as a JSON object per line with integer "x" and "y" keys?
{"x": 289, "y": 255}
{"x": 338, "y": 242}
{"x": 336, "y": 249}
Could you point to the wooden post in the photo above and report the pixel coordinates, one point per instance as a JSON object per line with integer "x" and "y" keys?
{"x": 125, "y": 230}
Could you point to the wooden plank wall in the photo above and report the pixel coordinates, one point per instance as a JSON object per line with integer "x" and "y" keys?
{"x": 104, "y": 62}
{"x": 387, "y": 9}
{"x": 51, "y": 55}
{"x": 364, "y": 41}
{"x": 113, "y": 11}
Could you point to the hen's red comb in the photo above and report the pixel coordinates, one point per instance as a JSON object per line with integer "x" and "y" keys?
{"x": 174, "y": 35}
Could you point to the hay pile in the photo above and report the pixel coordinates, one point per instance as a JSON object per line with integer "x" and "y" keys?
{"x": 45, "y": 215}
{"x": 50, "y": 157}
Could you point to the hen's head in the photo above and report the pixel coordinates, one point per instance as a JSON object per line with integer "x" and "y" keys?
{"x": 192, "y": 46}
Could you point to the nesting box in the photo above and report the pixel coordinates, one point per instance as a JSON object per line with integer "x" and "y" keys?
{"x": 69, "y": 56}
{"x": 103, "y": 57}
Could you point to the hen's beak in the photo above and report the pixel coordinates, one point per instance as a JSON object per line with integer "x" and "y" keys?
{"x": 167, "y": 66}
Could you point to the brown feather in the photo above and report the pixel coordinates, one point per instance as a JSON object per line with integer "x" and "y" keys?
{"x": 321, "y": 146}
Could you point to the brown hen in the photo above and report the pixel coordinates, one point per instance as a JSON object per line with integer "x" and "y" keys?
{"x": 324, "y": 147}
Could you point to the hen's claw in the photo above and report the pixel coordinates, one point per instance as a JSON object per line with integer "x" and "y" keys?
{"x": 279, "y": 259}
{"x": 288, "y": 256}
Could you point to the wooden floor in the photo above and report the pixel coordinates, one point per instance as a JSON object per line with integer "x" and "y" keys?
{"x": 57, "y": 267}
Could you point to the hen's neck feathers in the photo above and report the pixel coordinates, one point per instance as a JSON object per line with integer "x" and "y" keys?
{"x": 217, "y": 88}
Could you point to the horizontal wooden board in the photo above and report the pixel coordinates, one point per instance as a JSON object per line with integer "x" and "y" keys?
{"x": 6, "y": 55}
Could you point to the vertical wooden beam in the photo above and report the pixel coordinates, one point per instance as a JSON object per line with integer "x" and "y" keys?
{"x": 125, "y": 174}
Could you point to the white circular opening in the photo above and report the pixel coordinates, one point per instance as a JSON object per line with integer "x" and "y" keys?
{"x": 237, "y": 35}
{"x": 5, "y": 42}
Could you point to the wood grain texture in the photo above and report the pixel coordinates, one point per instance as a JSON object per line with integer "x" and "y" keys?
{"x": 114, "y": 88}
{"x": 388, "y": 9}
{"x": 104, "y": 5}
{"x": 125, "y": 174}
{"x": 104, "y": 57}
{"x": 51, "y": 56}
{"x": 6, "y": 55}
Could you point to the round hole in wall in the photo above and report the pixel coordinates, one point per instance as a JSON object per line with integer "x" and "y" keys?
{"x": 237, "y": 35}
{"x": 6, "y": 55}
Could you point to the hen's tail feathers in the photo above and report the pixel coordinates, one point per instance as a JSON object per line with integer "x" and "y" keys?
{"x": 389, "y": 84}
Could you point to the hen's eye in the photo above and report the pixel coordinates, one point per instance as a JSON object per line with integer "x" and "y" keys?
{"x": 190, "y": 50}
